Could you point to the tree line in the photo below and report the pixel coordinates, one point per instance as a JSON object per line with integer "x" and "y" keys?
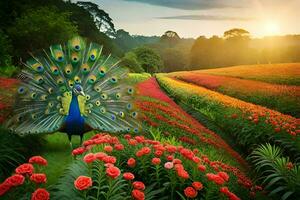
{"x": 28, "y": 26}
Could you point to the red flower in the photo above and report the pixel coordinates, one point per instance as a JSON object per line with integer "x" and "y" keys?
{"x": 179, "y": 167}
{"x": 132, "y": 142}
{"x": 182, "y": 173}
{"x": 190, "y": 192}
{"x": 25, "y": 169}
{"x": 15, "y": 180}
{"x": 170, "y": 157}
{"x": 127, "y": 136}
{"x": 119, "y": 147}
{"x": 177, "y": 161}
{"x": 156, "y": 161}
{"x": 4, "y": 187}
{"x": 131, "y": 162}
{"x": 38, "y": 178}
{"x": 196, "y": 159}
{"x": 146, "y": 150}
{"x": 223, "y": 175}
{"x": 40, "y": 194}
{"x": 113, "y": 172}
{"x": 138, "y": 195}
{"x": 138, "y": 185}
{"x": 257, "y": 187}
{"x": 171, "y": 148}
{"x": 78, "y": 151}
{"x": 128, "y": 176}
{"x": 83, "y": 183}
{"x": 100, "y": 155}
{"x": 233, "y": 196}
{"x": 38, "y": 160}
{"x": 197, "y": 185}
{"x": 89, "y": 158}
{"x": 224, "y": 190}
{"x": 289, "y": 165}
{"x": 201, "y": 168}
{"x": 108, "y": 148}
{"x": 215, "y": 178}
{"x": 109, "y": 159}
{"x": 158, "y": 153}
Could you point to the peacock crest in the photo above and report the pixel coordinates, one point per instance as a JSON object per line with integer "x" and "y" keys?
{"x": 71, "y": 87}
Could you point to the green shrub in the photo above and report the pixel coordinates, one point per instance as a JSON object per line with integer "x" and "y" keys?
{"x": 280, "y": 176}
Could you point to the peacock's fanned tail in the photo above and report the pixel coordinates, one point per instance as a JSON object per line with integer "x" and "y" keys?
{"x": 45, "y": 93}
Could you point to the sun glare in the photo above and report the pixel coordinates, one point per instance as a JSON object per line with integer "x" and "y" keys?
{"x": 272, "y": 28}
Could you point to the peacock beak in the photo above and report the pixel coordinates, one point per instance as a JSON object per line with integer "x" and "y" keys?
{"x": 82, "y": 93}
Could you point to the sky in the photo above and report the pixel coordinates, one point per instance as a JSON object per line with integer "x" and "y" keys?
{"x": 192, "y": 18}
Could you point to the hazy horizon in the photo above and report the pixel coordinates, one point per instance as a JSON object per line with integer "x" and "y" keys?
{"x": 192, "y": 18}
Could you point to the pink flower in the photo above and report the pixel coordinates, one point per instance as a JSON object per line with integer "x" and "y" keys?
{"x": 168, "y": 165}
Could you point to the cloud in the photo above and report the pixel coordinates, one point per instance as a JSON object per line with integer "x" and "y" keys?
{"x": 191, "y": 4}
{"x": 208, "y": 17}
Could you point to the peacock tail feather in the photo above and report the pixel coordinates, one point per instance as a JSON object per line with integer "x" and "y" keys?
{"x": 45, "y": 93}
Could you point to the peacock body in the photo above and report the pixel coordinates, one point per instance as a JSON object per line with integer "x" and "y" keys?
{"x": 73, "y": 88}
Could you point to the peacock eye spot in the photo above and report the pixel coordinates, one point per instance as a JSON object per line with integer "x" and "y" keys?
{"x": 68, "y": 71}
{"x": 75, "y": 59}
{"x": 77, "y": 47}
{"x": 60, "y": 58}
{"x": 92, "y": 57}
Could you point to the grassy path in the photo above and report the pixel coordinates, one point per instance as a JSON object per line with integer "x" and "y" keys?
{"x": 58, "y": 153}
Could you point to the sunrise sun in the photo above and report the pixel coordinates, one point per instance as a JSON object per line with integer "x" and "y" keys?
{"x": 272, "y": 28}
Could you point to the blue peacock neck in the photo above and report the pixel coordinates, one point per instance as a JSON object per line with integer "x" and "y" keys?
{"x": 74, "y": 120}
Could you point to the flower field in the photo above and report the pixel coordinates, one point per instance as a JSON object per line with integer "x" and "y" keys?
{"x": 287, "y": 73}
{"x": 176, "y": 156}
{"x": 239, "y": 118}
{"x": 283, "y": 98}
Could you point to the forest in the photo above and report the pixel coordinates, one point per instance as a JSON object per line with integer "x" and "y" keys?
{"x": 57, "y": 20}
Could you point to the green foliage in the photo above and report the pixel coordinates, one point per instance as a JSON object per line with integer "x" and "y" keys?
{"x": 158, "y": 135}
{"x": 130, "y": 61}
{"x": 135, "y": 78}
{"x": 5, "y": 50}
{"x": 39, "y": 28}
{"x": 278, "y": 174}
{"x": 64, "y": 188}
{"x": 15, "y": 150}
{"x": 127, "y": 42}
{"x": 149, "y": 60}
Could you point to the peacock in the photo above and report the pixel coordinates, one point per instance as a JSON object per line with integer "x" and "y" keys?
{"x": 73, "y": 88}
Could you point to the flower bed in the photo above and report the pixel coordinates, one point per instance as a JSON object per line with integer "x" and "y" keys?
{"x": 139, "y": 168}
{"x": 283, "y": 98}
{"x": 27, "y": 182}
{"x": 251, "y": 124}
{"x": 161, "y": 111}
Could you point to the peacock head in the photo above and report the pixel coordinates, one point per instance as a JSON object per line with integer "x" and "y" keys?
{"x": 78, "y": 90}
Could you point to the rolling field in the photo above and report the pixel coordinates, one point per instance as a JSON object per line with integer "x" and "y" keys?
{"x": 272, "y": 73}
{"x": 283, "y": 98}
{"x": 179, "y": 155}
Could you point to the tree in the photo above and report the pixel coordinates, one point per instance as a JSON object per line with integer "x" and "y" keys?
{"x": 5, "y": 50}
{"x": 236, "y": 33}
{"x": 102, "y": 19}
{"x": 38, "y": 28}
{"x": 170, "y": 38}
{"x": 150, "y": 60}
{"x": 130, "y": 61}
{"x": 173, "y": 59}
